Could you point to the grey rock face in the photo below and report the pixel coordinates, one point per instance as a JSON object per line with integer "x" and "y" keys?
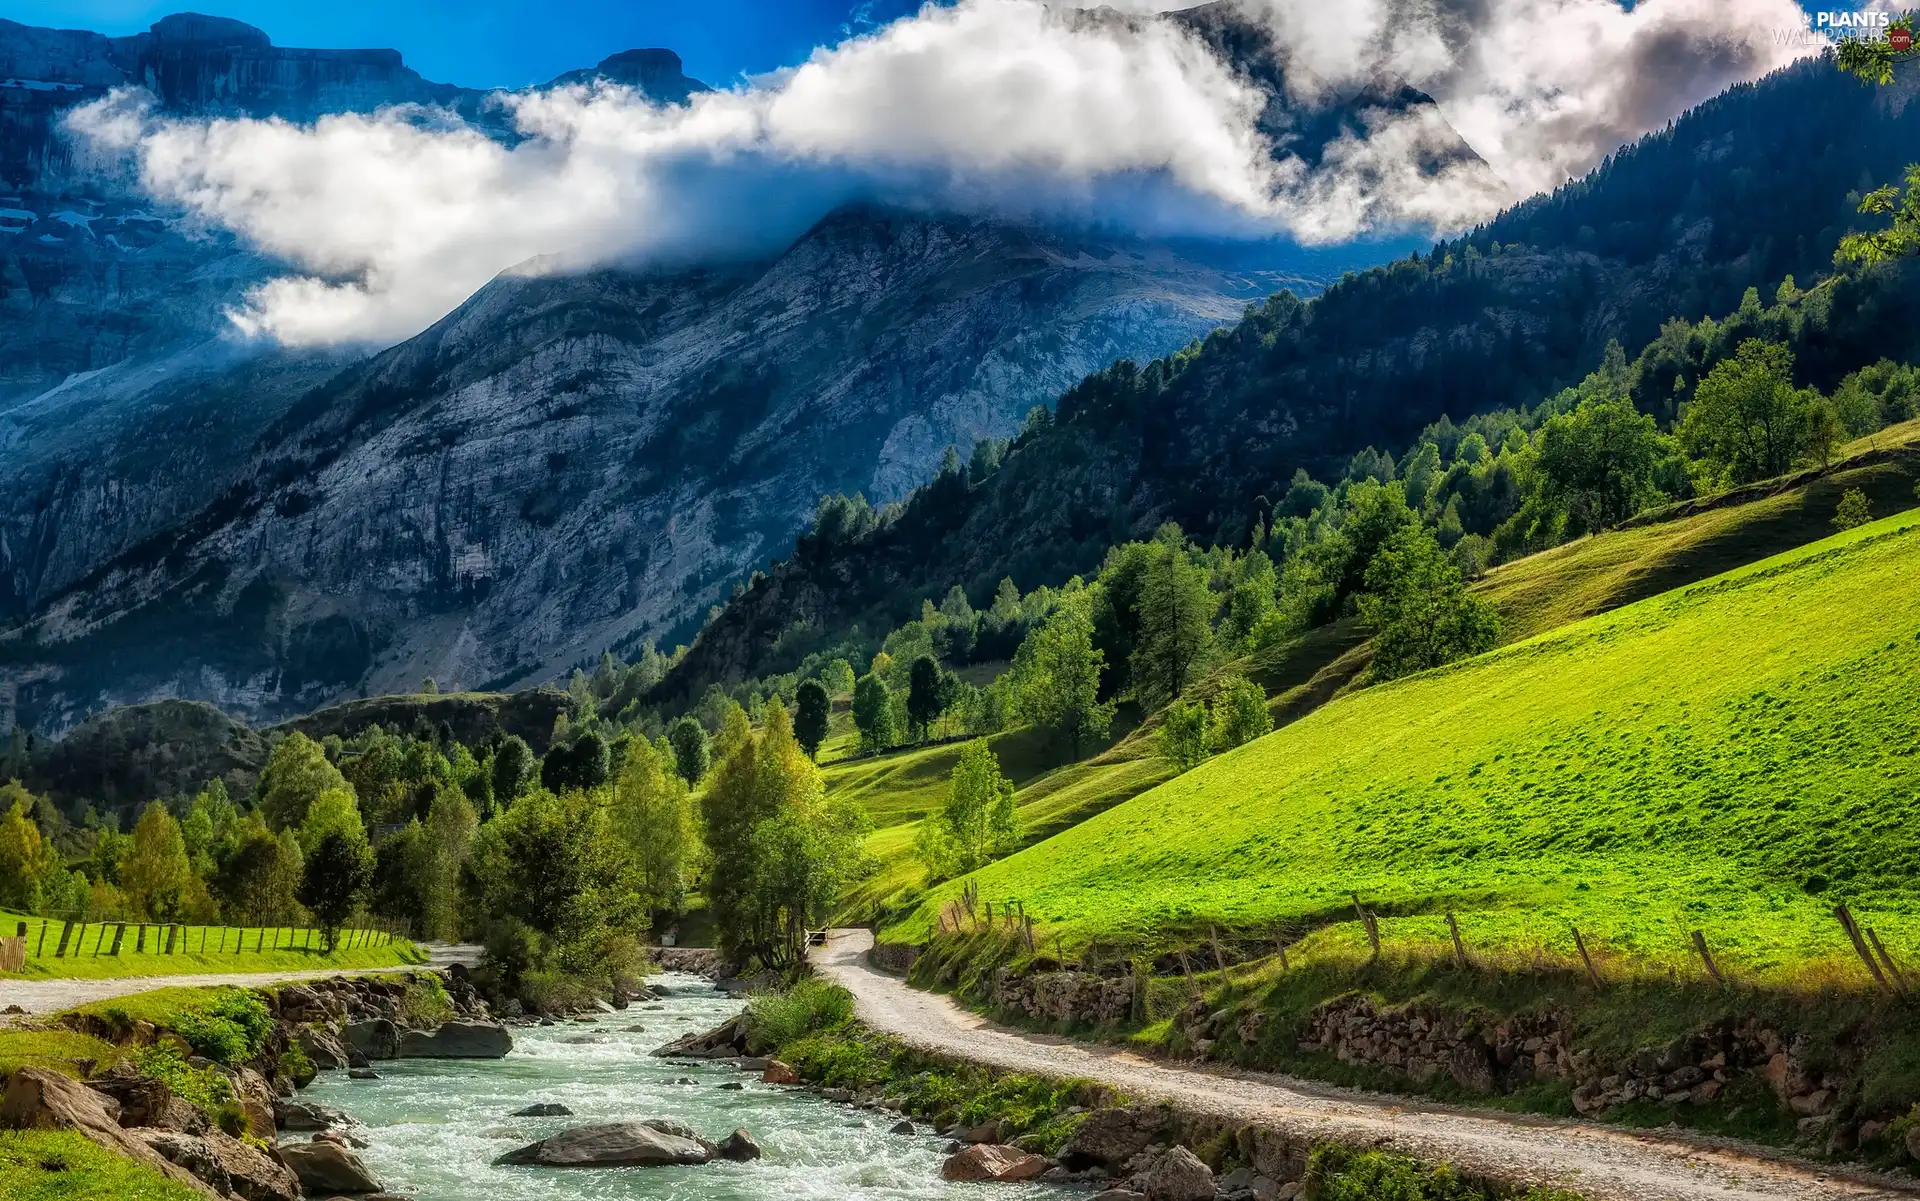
{"x": 326, "y": 1168}
{"x": 376, "y": 1038}
{"x": 609, "y": 1144}
{"x": 457, "y": 1040}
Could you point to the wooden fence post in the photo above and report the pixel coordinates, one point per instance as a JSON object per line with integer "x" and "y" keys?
{"x": 1367, "y": 923}
{"x": 1219, "y": 960}
{"x": 66, "y": 932}
{"x": 40, "y": 947}
{"x": 1459, "y": 948}
{"x": 119, "y": 933}
{"x": 1187, "y": 970}
{"x": 1585, "y": 958}
{"x": 1893, "y": 969}
{"x": 1852, "y": 928}
{"x": 1706, "y": 957}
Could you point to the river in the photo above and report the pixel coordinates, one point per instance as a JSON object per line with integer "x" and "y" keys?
{"x": 435, "y": 1126}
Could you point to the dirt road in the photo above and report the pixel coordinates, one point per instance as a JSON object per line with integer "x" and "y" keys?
{"x": 1605, "y": 1163}
{"x": 48, "y": 996}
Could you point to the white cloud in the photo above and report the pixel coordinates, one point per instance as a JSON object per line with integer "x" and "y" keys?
{"x": 997, "y": 105}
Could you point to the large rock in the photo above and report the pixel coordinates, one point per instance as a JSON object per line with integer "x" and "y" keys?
{"x": 1179, "y": 1175}
{"x": 992, "y": 1161}
{"x": 307, "y": 1115}
{"x": 1108, "y": 1138}
{"x": 610, "y": 1144}
{"x": 778, "y": 1073}
{"x": 739, "y": 1147}
{"x": 326, "y": 1168}
{"x": 722, "y": 1042}
{"x": 147, "y": 1101}
{"x": 227, "y": 1164}
{"x": 257, "y": 1101}
{"x": 38, "y": 1099}
{"x": 376, "y": 1038}
{"x": 457, "y": 1040}
{"x": 326, "y": 1050}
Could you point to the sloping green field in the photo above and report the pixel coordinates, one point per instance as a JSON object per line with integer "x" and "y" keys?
{"x": 1733, "y": 757}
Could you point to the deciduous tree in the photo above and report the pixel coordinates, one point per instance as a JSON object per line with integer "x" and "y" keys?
{"x": 811, "y": 712}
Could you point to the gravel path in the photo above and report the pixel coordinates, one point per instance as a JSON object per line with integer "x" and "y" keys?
{"x": 1605, "y": 1163}
{"x": 51, "y": 996}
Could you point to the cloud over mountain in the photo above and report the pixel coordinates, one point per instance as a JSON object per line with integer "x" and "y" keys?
{"x": 392, "y": 219}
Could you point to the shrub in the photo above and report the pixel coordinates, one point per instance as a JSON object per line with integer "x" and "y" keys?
{"x": 231, "y": 1028}
{"x": 424, "y": 1003}
{"x": 775, "y": 1020}
{"x": 205, "y": 1088}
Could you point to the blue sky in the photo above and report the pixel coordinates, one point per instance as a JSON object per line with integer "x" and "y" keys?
{"x": 510, "y": 43}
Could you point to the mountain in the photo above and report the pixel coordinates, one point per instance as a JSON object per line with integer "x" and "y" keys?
{"x": 563, "y": 465}
{"x": 1756, "y": 185}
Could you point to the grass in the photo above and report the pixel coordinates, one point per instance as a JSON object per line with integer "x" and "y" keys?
{"x": 1734, "y": 757}
{"x": 60, "y": 1165}
{"x": 63, "y": 1051}
{"x": 87, "y": 956}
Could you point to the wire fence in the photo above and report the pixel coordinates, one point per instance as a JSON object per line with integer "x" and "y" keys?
{"x": 57, "y": 939}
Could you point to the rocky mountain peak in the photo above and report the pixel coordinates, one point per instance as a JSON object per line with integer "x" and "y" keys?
{"x": 655, "y": 71}
{"x": 198, "y": 29}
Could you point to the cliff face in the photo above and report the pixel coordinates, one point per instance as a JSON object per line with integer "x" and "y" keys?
{"x": 569, "y": 464}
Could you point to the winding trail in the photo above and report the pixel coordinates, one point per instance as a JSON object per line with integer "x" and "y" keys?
{"x": 1601, "y": 1162}
{"x": 49, "y": 996}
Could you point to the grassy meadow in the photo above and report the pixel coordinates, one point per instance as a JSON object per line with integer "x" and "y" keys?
{"x": 197, "y": 949}
{"x": 1733, "y": 757}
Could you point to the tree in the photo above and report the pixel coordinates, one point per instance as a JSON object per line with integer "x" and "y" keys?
{"x": 513, "y": 769}
{"x": 873, "y": 713}
{"x": 1746, "y": 417}
{"x": 653, "y": 813}
{"x": 781, "y": 848}
{"x": 155, "y": 873}
{"x": 451, "y": 823}
{"x": 1599, "y": 459}
{"x": 811, "y": 711}
{"x": 1176, "y": 611}
{"x": 335, "y": 877}
{"x": 332, "y": 812}
{"x": 1239, "y": 714}
{"x": 978, "y": 820}
{"x": 1183, "y": 734}
{"x": 402, "y": 874}
{"x": 297, "y": 772}
{"x": 27, "y": 863}
{"x": 923, "y": 694}
{"x": 1873, "y": 60}
{"x": 1420, "y": 611}
{"x": 837, "y": 678}
{"x": 690, "y": 754}
{"x": 1852, "y": 511}
{"x": 259, "y": 881}
{"x": 1057, "y": 680}
{"x": 1252, "y": 597}
{"x": 585, "y": 765}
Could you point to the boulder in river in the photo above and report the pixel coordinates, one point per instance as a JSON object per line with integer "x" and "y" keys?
{"x": 545, "y": 1109}
{"x": 457, "y": 1040}
{"x": 610, "y": 1145}
{"x": 377, "y": 1038}
{"x": 226, "y": 1164}
{"x": 778, "y": 1073}
{"x": 739, "y": 1147}
{"x": 992, "y": 1161}
{"x": 326, "y": 1168}
{"x": 306, "y": 1115}
{"x": 722, "y": 1042}
{"x": 1108, "y": 1138}
{"x": 325, "y": 1051}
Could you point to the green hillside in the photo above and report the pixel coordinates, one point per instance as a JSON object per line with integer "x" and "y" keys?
{"x": 1734, "y": 756}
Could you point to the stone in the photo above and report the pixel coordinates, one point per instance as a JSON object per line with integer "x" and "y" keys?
{"x": 752, "y": 1063}
{"x": 1811, "y": 1104}
{"x": 1119, "y": 1194}
{"x": 991, "y": 1161}
{"x": 457, "y": 1040}
{"x": 147, "y": 1101}
{"x": 545, "y": 1109}
{"x": 1871, "y": 1130}
{"x": 739, "y": 1147}
{"x": 326, "y": 1051}
{"x": 326, "y": 1168}
{"x": 609, "y": 1144}
{"x": 376, "y": 1038}
{"x": 1110, "y": 1137}
{"x": 902, "y": 1127}
{"x": 733, "y": 1086}
{"x": 306, "y": 1115}
{"x": 1912, "y": 1143}
{"x": 778, "y": 1073}
{"x": 988, "y": 1132}
{"x": 362, "y": 1074}
{"x": 682, "y": 1130}
{"x": 256, "y": 1100}
{"x": 1178, "y": 1175}
{"x": 227, "y": 1164}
